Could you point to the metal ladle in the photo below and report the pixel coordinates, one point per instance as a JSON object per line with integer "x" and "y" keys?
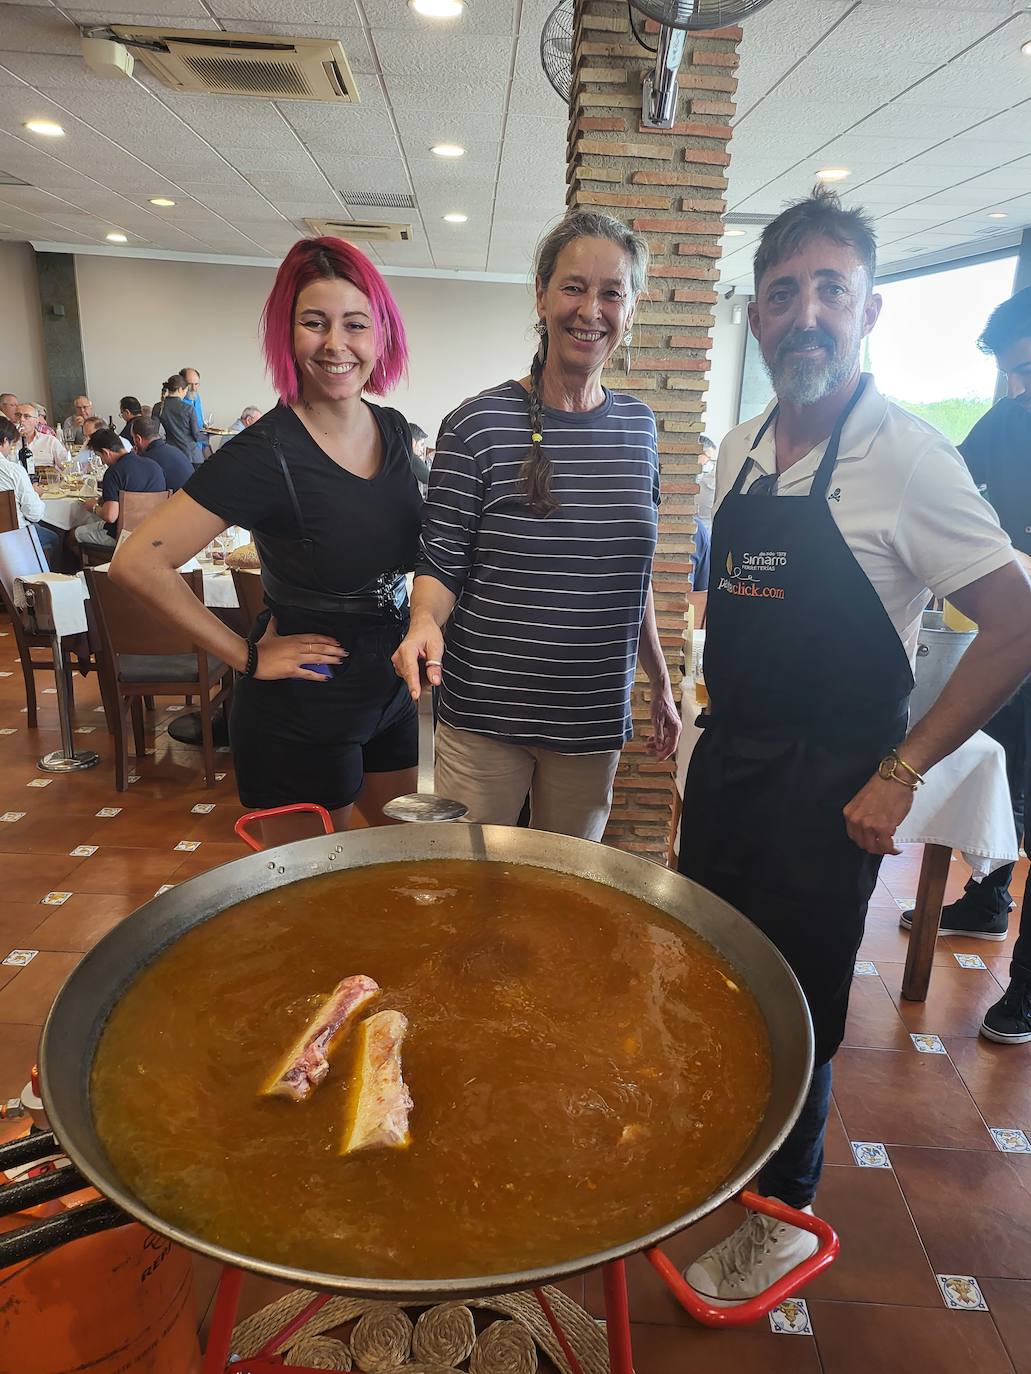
{"x": 425, "y": 805}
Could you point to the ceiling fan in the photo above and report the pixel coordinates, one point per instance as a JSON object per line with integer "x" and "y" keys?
{"x": 677, "y": 17}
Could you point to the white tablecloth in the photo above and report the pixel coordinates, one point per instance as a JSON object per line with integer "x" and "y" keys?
{"x": 64, "y": 512}
{"x": 964, "y": 804}
{"x": 219, "y": 589}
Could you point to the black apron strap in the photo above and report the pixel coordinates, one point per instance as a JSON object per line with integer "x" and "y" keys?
{"x": 825, "y": 471}
{"x": 291, "y": 491}
{"x": 750, "y": 462}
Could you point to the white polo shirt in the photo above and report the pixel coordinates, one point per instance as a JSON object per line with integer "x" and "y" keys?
{"x": 902, "y": 498}
{"x": 47, "y": 451}
{"x": 13, "y": 477}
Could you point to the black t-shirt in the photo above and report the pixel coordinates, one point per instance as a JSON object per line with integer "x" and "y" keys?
{"x": 131, "y": 472}
{"x": 998, "y": 453}
{"x": 360, "y": 527}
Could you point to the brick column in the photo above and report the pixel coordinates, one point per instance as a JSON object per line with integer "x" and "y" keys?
{"x": 668, "y": 184}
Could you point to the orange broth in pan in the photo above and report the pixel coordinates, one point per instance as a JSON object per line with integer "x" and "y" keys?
{"x": 583, "y": 1069}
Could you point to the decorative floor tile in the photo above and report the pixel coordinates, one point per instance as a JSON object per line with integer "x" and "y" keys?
{"x": 85, "y": 729}
{"x": 220, "y": 777}
{"x": 970, "y": 961}
{"x": 1011, "y": 1140}
{"x": 791, "y": 1318}
{"x": 905, "y": 903}
{"x": 165, "y": 887}
{"x": 134, "y": 777}
{"x": 6, "y": 674}
{"x": 50, "y": 691}
{"x": 203, "y": 808}
{"x": 12, "y": 816}
{"x": 18, "y": 958}
{"x": 174, "y": 708}
{"x": 928, "y": 1044}
{"x": 54, "y": 899}
{"x": 869, "y": 1155}
{"x": 98, "y": 710}
{"x": 40, "y": 782}
{"x": 188, "y": 846}
{"x": 110, "y": 811}
{"x": 865, "y": 969}
{"x": 83, "y": 851}
{"x": 9, "y": 730}
{"x": 961, "y": 1293}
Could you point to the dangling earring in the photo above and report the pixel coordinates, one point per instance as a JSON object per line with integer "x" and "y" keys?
{"x": 541, "y": 328}
{"x": 628, "y": 339}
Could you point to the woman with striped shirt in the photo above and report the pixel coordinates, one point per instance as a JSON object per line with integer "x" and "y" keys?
{"x": 538, "y": 539}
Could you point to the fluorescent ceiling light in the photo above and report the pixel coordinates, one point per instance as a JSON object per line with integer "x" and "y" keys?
{"x": 448, "y": 150}
{"x": 438, "y": 9}
{"x": 832, "y": 174}
{"x": 163, "y": 201}
{"x": 117, "y": 238}
{"x": 733, "y": 233}
{"x": 998, "y": 214}
{"x": 455, "y": 218}
{"x": 46, "y": 127}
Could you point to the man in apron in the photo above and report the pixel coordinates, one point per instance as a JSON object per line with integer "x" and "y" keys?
{"x": 837, "y": 516}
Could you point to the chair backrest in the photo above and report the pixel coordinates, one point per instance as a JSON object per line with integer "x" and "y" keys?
{"x": 127, "y": 626}
{"x": 135, "y": 506}
{"x": 249, "y": 592}
{"x": 21, "y": 555}
{"x": 8, "y": 511}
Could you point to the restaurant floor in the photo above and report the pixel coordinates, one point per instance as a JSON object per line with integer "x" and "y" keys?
{"x": 949, "y": 1201}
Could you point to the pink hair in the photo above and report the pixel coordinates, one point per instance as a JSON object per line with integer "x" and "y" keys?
{"x": 320, "y": 260}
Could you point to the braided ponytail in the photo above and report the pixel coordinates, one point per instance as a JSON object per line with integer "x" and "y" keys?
{"x": 535, "y": 473}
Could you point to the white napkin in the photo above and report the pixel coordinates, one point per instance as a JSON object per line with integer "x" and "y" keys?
{"x": 67, "y": 595}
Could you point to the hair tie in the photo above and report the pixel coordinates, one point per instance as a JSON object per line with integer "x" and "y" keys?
{"x": 536, "y": 438}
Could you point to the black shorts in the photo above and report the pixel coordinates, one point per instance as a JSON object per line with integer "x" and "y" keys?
{"x": 300, "y": 741}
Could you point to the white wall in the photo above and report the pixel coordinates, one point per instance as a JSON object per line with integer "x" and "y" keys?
{"x": 144, "y": 319}
{"x": 728, "y": 348}
{"x": 21, "y": 337}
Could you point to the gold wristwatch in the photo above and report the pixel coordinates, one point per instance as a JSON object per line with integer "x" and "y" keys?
{"x": 888, "y": 769}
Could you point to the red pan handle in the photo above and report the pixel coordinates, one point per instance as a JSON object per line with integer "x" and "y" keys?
{"x": 753, "y": 1308}
{"x": 241, "y": 825}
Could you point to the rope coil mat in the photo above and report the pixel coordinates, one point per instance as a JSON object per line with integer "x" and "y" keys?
{"x": 442, "y": 1341}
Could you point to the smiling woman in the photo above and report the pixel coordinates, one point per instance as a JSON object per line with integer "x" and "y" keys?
{"x": 324, "y": 482}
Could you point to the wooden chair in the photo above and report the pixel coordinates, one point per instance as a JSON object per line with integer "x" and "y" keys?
{"x": 144, "y": 656}
{"x": 8, "y": 511}
{"x": 22, "y": 556}
{"x": 135, "y": 506}
{"x": 250, "y": 593}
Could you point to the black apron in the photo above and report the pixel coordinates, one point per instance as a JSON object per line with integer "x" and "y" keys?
{"x": 809, "y": 687}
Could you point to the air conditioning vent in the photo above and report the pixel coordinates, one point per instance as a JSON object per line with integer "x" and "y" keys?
{"x": 392, "y": 200}
{"x": 748, "y": 219}
{"x": 354, "y": 231}
{"x": 243, "y": 64}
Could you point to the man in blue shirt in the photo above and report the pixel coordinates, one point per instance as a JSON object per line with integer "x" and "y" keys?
{"x": 145, "y": 433}
{"x": 125, "y": 472}
{"x": 191, "y": 377}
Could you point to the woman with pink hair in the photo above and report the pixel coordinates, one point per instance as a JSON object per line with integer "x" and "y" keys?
{"x": 324, "y": 482}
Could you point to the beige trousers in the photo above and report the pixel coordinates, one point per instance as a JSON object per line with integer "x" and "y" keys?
{"x": 570, "y": 794}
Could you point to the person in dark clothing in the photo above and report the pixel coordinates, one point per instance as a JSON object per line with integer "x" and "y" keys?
{"x": 998, "y": 453}
{"x": 145, "y": 435}
{"x": 129, "y": 407}
{"x": 179, "y": 418}
{"x": 125, "y": 472}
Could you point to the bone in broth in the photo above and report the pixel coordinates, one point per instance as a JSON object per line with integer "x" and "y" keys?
{"x": 583, "y": 1069}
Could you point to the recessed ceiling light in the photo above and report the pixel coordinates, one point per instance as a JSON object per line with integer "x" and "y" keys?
{"x": 455, "y": 218}
{"x": 117, "y": 238}
{"x": 1026, "y": 49}
{"x": 438, "y": 9}
{"x": 448, "y": 150}
{"x": 163, "y": 201}
{"x": 832, "y": 174}
{"x": 46, "y": 127}
{"x": 998, "y": 214}
{"x": 733, "y": 233}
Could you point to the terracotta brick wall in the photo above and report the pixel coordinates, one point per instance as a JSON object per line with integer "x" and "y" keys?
{"x": 669, "y": 185}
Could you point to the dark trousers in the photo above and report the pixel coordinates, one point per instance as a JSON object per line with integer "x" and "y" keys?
{"x": 1011, "y": 726}
{"x": 794, "y": 1171}
{"x": 50, "y": 543}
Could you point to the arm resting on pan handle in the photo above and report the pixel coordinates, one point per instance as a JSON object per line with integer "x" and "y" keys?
{"x": 241, "y": 825}
{"x": 754, "y": 1308}
{"x": 76, "y": 1222}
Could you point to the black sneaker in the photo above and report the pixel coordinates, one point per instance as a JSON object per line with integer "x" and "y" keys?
{"x": 958, "y": 918}
{"x": 1009, "y": 1021}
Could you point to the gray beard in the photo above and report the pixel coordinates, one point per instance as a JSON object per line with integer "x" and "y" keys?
{"x": 803, "y": 382}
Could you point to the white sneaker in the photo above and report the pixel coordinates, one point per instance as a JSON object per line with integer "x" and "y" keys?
{"x": 744, "y": 1265}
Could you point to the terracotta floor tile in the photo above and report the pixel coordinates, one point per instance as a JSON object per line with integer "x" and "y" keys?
{"x": 28, "y": 877}
{"x": 873, "y": 1018}
{"x": 694, "y": 1350}
{"x": 18, "y": 1046}
{"x": 972, "y": 1209}
{"x": 17, "y": 920}
{"x": 904, "y": 1097}
{"x": 207, "y": 856}
{"x": 38, "y": 832}
{"x": 956, "y": 1000}
{"x": 1009, "y": 1302}
{"x": 864, "y": 1338}
{"x": 881, "y": 1259}
{"x": 82, "y": 921}
{"x": 999, "y": 1085}
{"x": 884, "y": 941}
{"x": 126, "y": 870}
{"x": 836, "y": 1148}
{"x": 27, "y": 997}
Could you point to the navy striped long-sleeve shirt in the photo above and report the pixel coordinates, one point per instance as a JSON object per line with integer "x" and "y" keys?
{"x": 542, "y": 645}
